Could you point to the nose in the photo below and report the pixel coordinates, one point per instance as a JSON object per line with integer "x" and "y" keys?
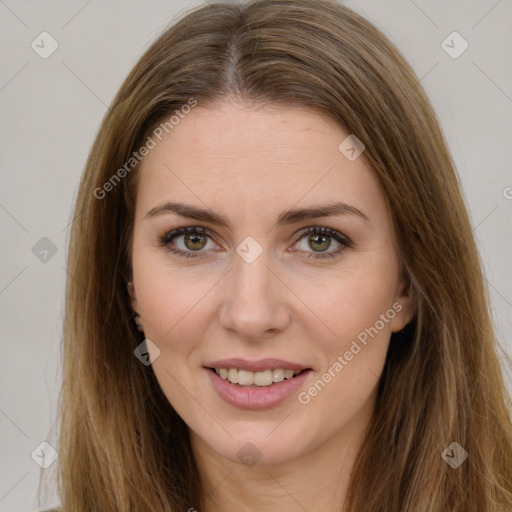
{"x": 255, "y": 300}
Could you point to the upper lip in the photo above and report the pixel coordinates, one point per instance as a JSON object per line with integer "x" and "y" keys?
{"x": 256, "y": 366}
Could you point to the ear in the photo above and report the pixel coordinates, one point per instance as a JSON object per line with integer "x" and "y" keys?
{"x": 133, "y": 296}
{"x": 404, "y": 303}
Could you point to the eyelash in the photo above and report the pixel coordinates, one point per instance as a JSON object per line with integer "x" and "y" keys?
{"x": 331, "y": 233}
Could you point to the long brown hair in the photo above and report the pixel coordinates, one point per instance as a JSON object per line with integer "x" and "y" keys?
{"x": 122, "y": 446}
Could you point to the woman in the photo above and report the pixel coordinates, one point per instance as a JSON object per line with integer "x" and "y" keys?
{"x": 275, "y": 299}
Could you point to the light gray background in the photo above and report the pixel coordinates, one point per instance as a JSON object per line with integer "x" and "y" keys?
{"x": 51, "y": 110}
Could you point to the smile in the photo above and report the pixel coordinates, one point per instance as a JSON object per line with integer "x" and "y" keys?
{"x": 248, "y": 394}
{"x": 260, "y": 379}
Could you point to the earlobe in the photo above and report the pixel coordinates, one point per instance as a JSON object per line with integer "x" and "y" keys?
{"x": 405, "y": 308}
{"x": 131, "y": 293}
{"x": 138, "y": 322}
{"x": 135, "y": 315}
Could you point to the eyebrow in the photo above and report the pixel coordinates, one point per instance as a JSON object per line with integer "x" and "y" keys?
{"x": 285, "y": 218}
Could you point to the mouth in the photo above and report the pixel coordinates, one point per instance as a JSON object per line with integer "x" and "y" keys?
{"x": 255, "y": 390}
{"x": 260, "y": 379}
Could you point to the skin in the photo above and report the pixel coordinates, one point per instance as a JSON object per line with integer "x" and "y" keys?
{"x": 250, "y": 164}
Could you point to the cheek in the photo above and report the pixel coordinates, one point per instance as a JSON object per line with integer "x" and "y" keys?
{"x": 168, "y": 295}
{"x": 349, "y": 303}
{"x": 358, "y": 312}
{"x": 357, "y": 308}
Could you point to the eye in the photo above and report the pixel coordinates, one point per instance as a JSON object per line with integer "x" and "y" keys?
{"x": 320, "y": 239}
{"x": 194, "y": 239}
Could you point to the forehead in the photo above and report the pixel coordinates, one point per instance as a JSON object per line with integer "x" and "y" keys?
{"x": 235, "y": 130}
{"x": 256, "y": 157}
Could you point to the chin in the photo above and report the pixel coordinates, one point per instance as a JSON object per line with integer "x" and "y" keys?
{"x": 263, "y": 444}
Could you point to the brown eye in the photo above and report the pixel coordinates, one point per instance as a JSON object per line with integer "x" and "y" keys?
{"x": 320, "y": 239}
{"x": 194, "y": 241}
{"x": 319, "y": 242}
{"x": 190, "y": 240}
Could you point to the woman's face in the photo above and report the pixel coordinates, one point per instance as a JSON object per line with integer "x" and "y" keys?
{"x": 260, "y": 285}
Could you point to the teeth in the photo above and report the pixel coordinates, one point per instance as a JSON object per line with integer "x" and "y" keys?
{"x": 248, "y": 378}
{"x": 245, "y": 378}
{"x": 263, "y": 378}
{"x": 277, "y": 375}
{"x": 233, "y": 375}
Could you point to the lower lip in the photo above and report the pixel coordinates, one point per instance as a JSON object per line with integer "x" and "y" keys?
{"x": 258, "y": 397}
